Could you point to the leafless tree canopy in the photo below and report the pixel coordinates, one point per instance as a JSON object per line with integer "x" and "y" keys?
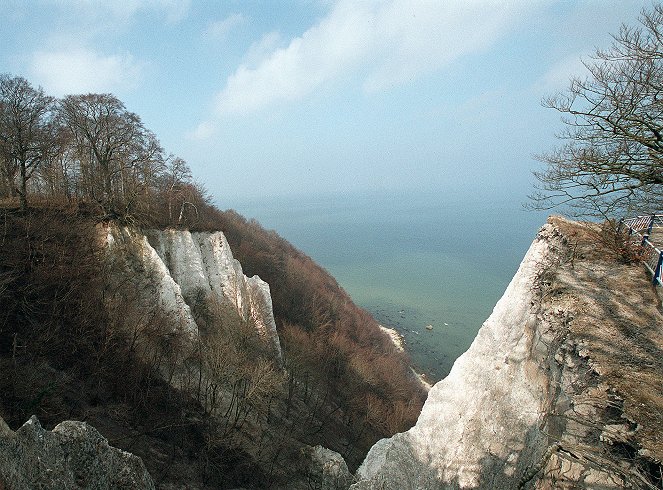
{"x": 116, "y": 153}
{"x": 26, "y": 132}
{"x": 610, "y": 159}
{"x": 88, "y": 149}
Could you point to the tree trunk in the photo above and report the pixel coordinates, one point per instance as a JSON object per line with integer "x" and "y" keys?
{"x": 23, "y": 193}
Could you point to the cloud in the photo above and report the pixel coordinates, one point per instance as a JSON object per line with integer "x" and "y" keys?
{"x": 204, "y": 131}
{"x": 558, "y": 77}
{"x": 123, "y": 10}
{"x": 82, "y": 70}
{"x": 262, "y": 49}
{"x": 385, "y": 43}
{"x": 221, "y": 28}
{"x": 174, "y": 10}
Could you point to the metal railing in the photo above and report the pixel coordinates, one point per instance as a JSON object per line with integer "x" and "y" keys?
{"x": 640, "y": 229}
{"x": 639, "y": 223}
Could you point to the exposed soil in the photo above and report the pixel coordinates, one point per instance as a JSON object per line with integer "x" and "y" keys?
{"x": 617, "y": 325}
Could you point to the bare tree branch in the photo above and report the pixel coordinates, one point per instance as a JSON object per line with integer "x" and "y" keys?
{"x": 611, "y": 157}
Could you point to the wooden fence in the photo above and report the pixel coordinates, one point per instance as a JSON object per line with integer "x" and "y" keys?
{"x": 640, "y": 229}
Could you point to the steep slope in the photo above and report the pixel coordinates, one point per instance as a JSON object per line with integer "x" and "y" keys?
{"x": 478, "y": 417}
{"x": 162, "y": 344}
{"x": 536, "y": 402}
{"x": 203, "y": 266}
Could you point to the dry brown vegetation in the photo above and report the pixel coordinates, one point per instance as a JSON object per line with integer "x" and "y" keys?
{"x": 343, "y": 371}
{"x": 65, "y": 356}
{"x": 61, "y": 360}
{"x": 615, "y": 327}
{"x": 75, "y": 344}
{"x": 325, "y": 332}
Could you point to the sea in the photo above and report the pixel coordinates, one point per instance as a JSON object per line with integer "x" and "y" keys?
{"x": 432, "y": 266}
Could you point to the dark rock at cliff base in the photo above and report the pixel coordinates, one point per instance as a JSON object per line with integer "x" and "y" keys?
{"x": 72, "y": 455}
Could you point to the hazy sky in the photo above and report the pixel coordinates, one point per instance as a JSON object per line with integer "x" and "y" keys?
{"x": 284, "y": 97}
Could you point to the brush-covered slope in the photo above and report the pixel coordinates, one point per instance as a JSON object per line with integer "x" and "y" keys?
{"x": 159, "y": 341}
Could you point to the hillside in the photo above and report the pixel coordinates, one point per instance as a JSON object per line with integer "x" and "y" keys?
{"x": 122, "y": 304}
{"x": 85, "y": 336}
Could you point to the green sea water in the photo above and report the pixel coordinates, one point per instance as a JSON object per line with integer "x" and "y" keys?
{"x": 411, "y": 260}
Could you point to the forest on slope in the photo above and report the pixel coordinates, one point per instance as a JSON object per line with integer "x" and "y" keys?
{"x": 67, "y": 165}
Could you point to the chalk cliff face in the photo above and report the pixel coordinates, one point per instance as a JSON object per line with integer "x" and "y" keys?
{"x": 203, "y": 264}
{"x": 477, "y": 421}
{"x": 536, "y": 402}
{"x": 185, "y": 271}
{"x": 560, "y": 388}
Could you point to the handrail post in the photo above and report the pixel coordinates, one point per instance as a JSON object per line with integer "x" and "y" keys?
{"x": 644, "y": 239}
{"x": 651, "y": 224}
{"x": 657, "y": 271}
{"x": 620, "y": 224}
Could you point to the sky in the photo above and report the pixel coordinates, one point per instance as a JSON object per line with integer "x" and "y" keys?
{"x": 304, "y": 97}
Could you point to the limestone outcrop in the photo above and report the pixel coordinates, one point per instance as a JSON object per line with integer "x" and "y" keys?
{"x": 327, "y": 469}
{"x": 183, "y": 271}
{"x": 541, "y": 398}
{"x": 202, "y": 264}
{"x": 476, "y": 422}
{"x": 72, "y": 455}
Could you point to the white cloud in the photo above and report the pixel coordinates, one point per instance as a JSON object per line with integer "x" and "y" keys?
{"x": 70, "y": 71}
{"x": 175, "y": 10}
{"x": 386, "y": 43}
{"x": 123, "y": 10}
{"x": 262, "y": 49}
{"x": 204, "y": 131}
{"x": 558, "y": 77}
{"x": 73, "y": 64}
{"x": 221, "y": 28}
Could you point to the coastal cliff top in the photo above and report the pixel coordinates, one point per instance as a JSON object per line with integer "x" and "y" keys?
{"x": 617, "y": 324}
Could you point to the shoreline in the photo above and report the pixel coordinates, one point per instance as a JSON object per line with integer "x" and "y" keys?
{"x": 418, "y": 340}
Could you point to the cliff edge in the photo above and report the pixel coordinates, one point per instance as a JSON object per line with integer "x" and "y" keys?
{"x": 560, "y": 388}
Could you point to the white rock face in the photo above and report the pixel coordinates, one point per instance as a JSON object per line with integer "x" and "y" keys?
{"x": 396, "y": 338}
{"x": 327, "y": 470}
{"x": 166, "y": 291}
{"x": 203, "y": 264}
{"x": 178, "y": 268}
{"x": 476, "y": 423}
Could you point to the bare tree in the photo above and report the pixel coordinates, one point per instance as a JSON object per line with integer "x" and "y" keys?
{"x": 56, "y": 178}
{"x": 611, "y": 158}
{"x": 176, "y": 176}
{"x": 112, "y": 144}
{"x": 26, "y": 132}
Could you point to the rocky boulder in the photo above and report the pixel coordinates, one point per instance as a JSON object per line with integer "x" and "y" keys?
{"x": 72, "y": 455}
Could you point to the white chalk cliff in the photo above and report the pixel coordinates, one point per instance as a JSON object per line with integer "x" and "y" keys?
{"x": 182, "y": 270}
{"x": 533, "y": 403}
{"x": 480, "y": 415}
{"x": 560, "y": 388}
{"x": 72, "y": 455}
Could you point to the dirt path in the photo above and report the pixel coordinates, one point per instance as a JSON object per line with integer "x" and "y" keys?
{"x": 618, "y": 326}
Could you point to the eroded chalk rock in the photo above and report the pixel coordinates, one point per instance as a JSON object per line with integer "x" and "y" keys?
{"x": 183, "y": 270}
{"x": 477, "y": 422}
{"x": 72, "y": 455}
{"x": 328, "y": 470}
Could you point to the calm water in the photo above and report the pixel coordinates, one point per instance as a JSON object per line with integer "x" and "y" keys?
{"x": 412, "y": 261}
